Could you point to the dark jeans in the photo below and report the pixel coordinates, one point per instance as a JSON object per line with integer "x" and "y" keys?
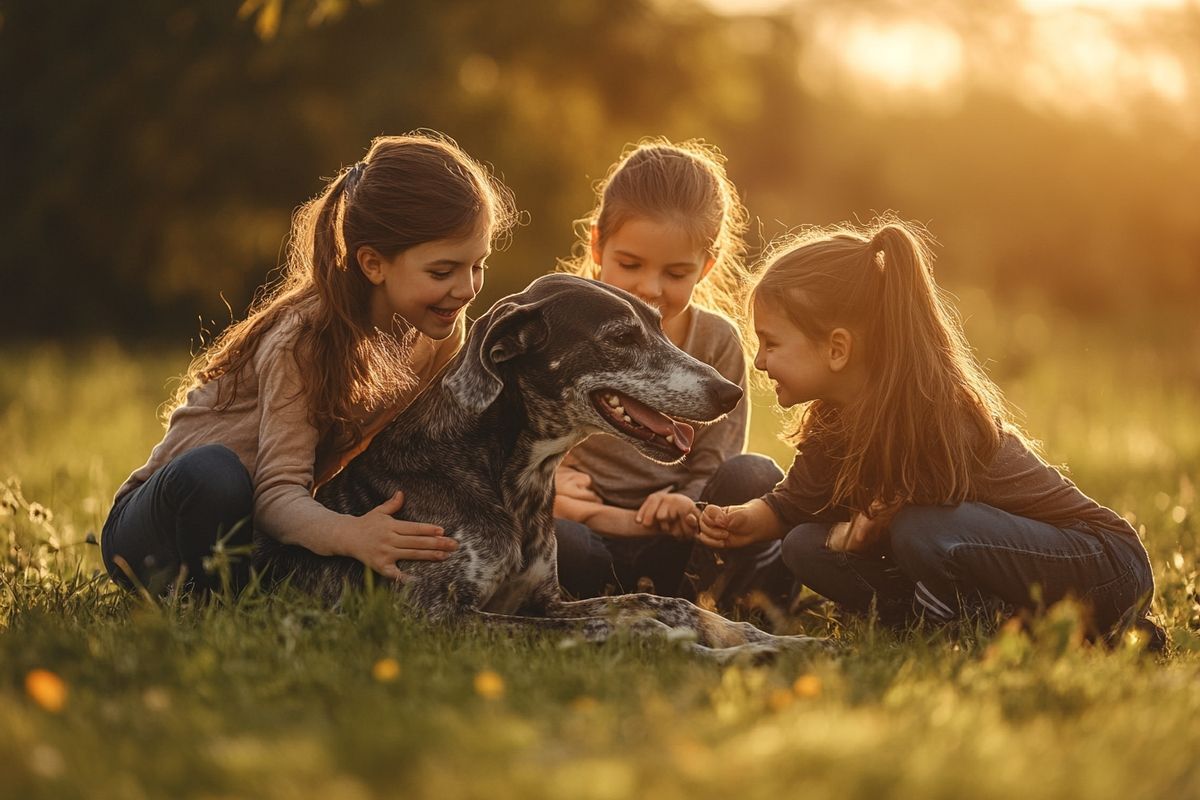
{"x": 174, "y": 520}
{"x": 942, "y": 559}
{"x": 589, "y": 564}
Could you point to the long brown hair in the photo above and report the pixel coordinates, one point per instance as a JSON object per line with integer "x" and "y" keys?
{"x": 928, "y": 415}
{"x": 408, "y": 190}
{"x": 684, "y": 184}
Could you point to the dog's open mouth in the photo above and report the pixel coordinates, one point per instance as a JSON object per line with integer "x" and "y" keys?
{"x": 642, "y": 422}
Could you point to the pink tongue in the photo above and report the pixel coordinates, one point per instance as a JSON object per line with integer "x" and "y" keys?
{"x": 659, "y": 423}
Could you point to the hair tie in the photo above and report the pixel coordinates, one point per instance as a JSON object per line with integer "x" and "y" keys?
{"x": 353, "y": 175}
{"x": 877, "y": 251}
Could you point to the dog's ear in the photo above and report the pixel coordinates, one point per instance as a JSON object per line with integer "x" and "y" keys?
{"x": 504, "y": 333}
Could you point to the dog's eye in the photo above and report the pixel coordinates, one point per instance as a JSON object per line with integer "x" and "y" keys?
{"x": 623, "y": 337}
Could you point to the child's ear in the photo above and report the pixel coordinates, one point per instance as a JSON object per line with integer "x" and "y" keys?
{"x": 595, "y": 244}
{"x": 371, "y": 263}
{"x": 841, "y": 345}
{"x": 708, "y": 265}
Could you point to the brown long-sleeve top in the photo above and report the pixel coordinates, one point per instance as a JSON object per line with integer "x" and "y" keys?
{"x": 269, "y": 429}
{"x": 623, "y": 477}
{"x": 1016, "y": 480}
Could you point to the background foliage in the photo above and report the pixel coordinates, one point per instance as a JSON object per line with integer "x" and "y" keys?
{"x": 153, "y": 154}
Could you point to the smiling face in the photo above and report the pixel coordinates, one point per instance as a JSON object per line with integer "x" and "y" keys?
{"x": 799, "y": 366}
{"x": 657, "y": 262}
{"x": 429, "y": 285}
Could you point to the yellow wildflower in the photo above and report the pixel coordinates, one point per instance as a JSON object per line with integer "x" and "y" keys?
{"x": 489, "y": 685}
{"x": 807, "y": 686}
{"x": 46, "y": 689}
{"x": 386, "y": 670}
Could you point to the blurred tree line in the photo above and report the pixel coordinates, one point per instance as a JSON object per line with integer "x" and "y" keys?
{"x": 152, "y": 151}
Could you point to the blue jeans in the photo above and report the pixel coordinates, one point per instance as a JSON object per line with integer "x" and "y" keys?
{"x": 589, "y": 562}
{"x": 173, "y": 520}
{"x": 941, "y": 559}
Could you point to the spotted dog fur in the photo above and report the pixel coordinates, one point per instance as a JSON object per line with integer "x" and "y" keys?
{"x": 476, "y": 453}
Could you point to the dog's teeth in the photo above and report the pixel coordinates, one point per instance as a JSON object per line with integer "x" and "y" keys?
{"x": 620, "y": 410}
{"x": 613, "y": 401}
{"x": 670, "y": 438}
{"x": 627, "y": 419}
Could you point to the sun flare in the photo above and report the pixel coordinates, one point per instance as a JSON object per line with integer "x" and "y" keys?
{"x": 1074, "y": 55}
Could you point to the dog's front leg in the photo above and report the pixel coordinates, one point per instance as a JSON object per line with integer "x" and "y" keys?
{"x": 711, "y": 630}
{"x": 592, "y": 629}
{"x": 541, "y": 612}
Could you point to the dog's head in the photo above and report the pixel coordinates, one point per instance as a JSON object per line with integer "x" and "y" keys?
{"x": 589, "y": 358}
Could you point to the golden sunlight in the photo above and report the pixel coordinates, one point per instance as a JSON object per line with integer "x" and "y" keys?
{"x": 1084, "y": 61}
{"x": 1035, "y": 6}
{"x": 1075, "y": 56}
{"x": 910, "y": 55}
{"x": 1107, "y": 6}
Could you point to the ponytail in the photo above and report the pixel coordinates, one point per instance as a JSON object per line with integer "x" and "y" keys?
{"x": 329, "y": 247}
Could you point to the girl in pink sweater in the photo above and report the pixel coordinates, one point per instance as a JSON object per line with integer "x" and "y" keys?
{"x": 370, "y": 304}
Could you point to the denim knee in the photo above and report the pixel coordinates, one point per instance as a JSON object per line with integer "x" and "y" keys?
{"x": 585, "y": 565}
{"x": 742, "y": 479}
{"x": 804, "y": 547}
{"x": 213, "y": 476}
{"x": 921, "y": 540}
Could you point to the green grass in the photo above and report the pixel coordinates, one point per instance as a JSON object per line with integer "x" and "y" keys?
{"x": 273, "y": 697}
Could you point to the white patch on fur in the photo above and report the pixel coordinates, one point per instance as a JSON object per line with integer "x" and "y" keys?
{"x": 474, "y": 562}
{"x": 682, "y": 380}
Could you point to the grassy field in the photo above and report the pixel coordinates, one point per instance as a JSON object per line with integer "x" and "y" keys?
{"x": 102, "y": 695}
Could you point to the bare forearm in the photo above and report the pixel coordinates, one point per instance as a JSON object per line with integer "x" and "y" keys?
{"x": 305, "y": 524}
{"x": 608, "y": 520}
{"x": 760, "y": 517}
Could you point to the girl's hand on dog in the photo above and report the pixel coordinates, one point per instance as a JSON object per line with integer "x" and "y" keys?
{"x": 670, "y": 513}
{"x": 379, "y": 540}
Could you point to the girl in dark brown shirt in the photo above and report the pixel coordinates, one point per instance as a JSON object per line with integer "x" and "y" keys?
{"x": 912, "y": 489}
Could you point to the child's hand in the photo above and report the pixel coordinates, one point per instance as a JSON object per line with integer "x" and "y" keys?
{"x": 379, "y": 540}
{"x": 570, "y": 482}
{"x": 729, "y": 527}
{"x": 670, "y": 513}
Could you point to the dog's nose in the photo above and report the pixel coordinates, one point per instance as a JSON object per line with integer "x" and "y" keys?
{"x": 728, "y": 394}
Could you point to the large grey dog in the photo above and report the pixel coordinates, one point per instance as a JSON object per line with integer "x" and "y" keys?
{"x": 476, "y": 453}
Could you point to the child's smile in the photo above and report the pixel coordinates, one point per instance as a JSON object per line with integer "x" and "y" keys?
{"x": 791, "y": 359}
{"x": 430, "y": 284}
